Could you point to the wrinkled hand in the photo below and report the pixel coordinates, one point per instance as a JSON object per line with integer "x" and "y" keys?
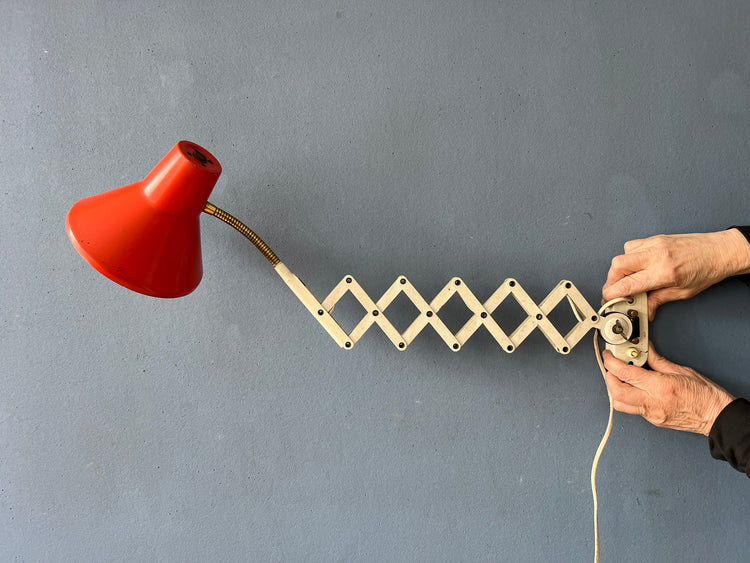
{"x": 672, "y": 267}
{"x": 671, "y": 396}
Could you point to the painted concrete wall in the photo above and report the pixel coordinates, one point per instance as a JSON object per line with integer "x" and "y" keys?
{"x": 432, "y": 139}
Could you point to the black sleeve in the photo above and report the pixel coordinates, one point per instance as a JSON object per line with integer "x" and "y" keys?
{"x": 729, "y": 438}
{"x": 745, "y": 231}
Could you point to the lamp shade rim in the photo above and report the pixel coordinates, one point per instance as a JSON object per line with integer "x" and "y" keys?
{"x": 118, "y": 278}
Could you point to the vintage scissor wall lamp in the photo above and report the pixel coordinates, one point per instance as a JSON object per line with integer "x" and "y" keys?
{"x": 146, "y": 237}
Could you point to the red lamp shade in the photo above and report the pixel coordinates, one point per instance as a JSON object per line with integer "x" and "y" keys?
{"x": 146, "y": 236}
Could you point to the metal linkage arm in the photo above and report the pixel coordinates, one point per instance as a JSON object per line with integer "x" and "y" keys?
{"x": 623, "y": 324}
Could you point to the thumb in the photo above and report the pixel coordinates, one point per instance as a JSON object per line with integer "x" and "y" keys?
{"x": 628, "y": 285}
{"x": 659, "y": 297}
{"x": 658, "y": 362}
{"x": 626, "y": 373}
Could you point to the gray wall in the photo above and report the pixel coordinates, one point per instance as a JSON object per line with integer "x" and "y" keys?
{"x": 476, "y": 139}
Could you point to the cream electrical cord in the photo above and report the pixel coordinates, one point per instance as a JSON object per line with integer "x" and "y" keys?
{"x": 607, "y": 431}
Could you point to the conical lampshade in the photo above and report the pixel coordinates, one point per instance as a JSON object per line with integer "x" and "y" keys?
{"x": 146, "y": 236}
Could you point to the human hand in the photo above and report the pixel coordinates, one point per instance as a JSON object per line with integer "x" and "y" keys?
{"x": 672, "y": 267}
{"x": 671, "y": 396}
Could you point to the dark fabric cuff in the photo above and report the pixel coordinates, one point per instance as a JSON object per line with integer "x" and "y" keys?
{"x": 729, "y": 438}
{"x": 745, "y": 231}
